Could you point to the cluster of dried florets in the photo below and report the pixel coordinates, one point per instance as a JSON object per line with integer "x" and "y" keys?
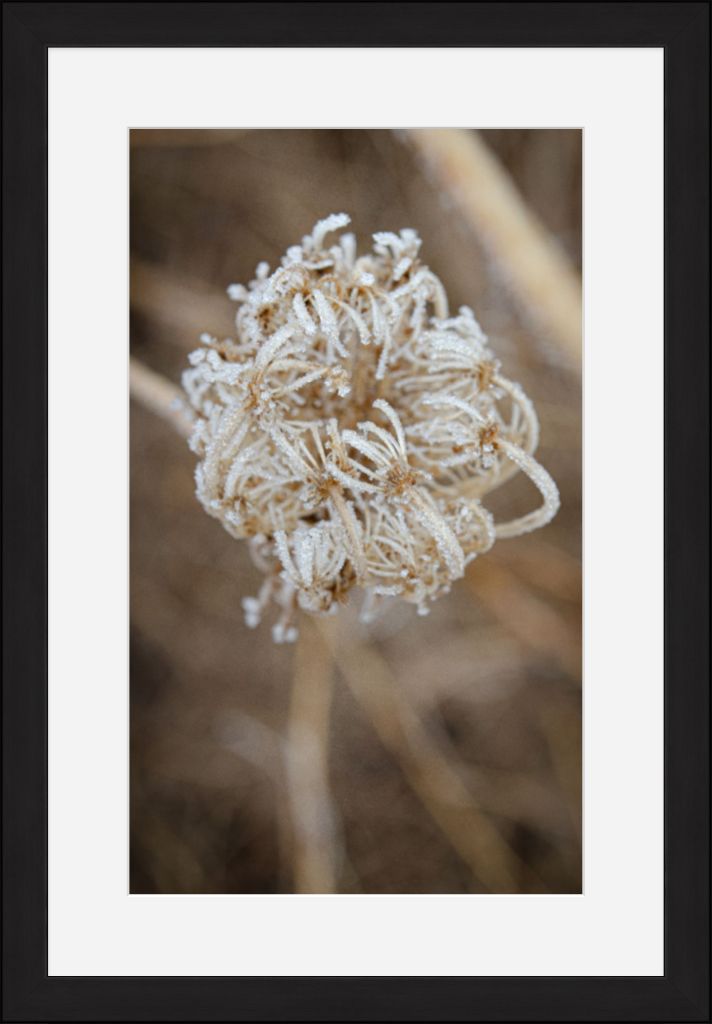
{"x": 351, "y": 427}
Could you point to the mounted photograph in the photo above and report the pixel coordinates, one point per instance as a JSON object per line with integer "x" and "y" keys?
{"x": 355, "y": 494}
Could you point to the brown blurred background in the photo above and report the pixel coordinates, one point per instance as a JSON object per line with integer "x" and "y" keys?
{"x": 435, "y": 755}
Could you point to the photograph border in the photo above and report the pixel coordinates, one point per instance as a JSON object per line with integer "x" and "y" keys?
{"x": 682, "y": 993}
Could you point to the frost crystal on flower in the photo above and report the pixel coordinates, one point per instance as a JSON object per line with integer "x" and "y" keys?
{"x": 352, "y": 427}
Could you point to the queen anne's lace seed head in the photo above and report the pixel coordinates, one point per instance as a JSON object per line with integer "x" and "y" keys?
{"x": 352, "y": 427}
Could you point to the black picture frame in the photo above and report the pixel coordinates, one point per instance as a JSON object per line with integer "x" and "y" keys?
{"x": 682, "y": 994}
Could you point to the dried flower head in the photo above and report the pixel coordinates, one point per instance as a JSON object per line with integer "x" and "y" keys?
{"x": 351, "y": 428}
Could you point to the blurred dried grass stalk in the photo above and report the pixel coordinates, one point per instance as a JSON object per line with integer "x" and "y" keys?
{"x": 306, "y": 795}
{"x": 538, "y": 270}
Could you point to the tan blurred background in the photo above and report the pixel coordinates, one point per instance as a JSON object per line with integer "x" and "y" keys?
{"x": 415, "y": 755}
